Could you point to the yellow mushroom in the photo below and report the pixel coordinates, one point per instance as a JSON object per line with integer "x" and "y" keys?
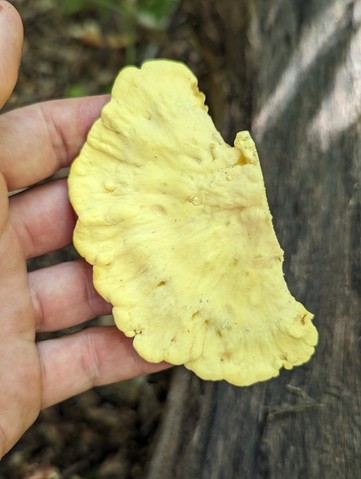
{"x": 177, "y": 225}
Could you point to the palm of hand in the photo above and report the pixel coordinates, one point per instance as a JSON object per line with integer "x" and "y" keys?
{"x": 20, "y": 369}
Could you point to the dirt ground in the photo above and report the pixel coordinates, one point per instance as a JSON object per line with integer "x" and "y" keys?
{"x": 108, "y": 432}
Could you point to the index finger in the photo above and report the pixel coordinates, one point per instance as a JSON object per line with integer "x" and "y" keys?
{"x": 38, "y": 140}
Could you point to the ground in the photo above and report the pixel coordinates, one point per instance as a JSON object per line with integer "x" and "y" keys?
{"x": 74, "y": 50}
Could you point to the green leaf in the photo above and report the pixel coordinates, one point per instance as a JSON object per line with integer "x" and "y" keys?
{"x": 76, "y": 90}
{"x": 71, "y": 7}
{"x": 156, "y": 12}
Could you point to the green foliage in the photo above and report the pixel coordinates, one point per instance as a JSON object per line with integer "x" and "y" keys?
{"x": 150, "y": 13}
{"x": 71, "y": 7}
{"x": 157, "y": 11}
{"x": 76, "y": 90}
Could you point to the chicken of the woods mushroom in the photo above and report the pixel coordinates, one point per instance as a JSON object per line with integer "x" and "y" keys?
{"x": 177, "y": 225}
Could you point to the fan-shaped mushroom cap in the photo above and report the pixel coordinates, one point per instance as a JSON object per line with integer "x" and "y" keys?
{"x": 177, "y": 225}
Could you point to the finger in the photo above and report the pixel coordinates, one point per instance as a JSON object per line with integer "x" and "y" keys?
{"x": 93, "y": 357}
{"x": 11, "y": 41}
{"x": 38, "y": 140}
{"x": 64, "y": 296}
{"x": 43, "y": 218}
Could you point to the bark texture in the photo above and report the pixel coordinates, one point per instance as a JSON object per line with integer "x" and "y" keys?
{"x": 291, "y": 72}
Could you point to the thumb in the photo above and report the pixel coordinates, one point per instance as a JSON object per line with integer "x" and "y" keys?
{"x": 11, "y": 41}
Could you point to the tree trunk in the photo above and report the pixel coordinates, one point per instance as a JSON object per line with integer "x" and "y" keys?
{"x": 290, "y": 71}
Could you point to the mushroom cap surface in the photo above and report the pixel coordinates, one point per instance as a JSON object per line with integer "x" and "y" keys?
{"x": 177, "y": 225}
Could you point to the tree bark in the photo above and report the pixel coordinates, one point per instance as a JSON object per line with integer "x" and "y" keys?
{"x": 290, "y": 71}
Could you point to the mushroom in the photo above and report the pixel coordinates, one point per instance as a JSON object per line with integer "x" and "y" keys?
{"x": 177, "y": 225}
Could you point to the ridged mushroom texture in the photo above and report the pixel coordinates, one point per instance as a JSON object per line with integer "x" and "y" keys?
{"x": 177, "y": 225}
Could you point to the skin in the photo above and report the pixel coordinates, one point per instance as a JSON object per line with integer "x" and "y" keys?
{"x": 37, "y": 141}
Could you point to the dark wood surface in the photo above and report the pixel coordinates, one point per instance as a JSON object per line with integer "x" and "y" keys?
{"x": 291, "y": 72}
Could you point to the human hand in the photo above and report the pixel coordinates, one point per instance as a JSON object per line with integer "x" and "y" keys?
{"x": 37, "y": 141}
